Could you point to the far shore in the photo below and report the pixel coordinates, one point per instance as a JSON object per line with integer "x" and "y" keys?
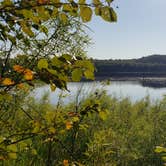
{"x": 155, "y": 82}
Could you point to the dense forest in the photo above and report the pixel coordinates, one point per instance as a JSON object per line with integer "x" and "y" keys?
{"x": 150, "y": 66}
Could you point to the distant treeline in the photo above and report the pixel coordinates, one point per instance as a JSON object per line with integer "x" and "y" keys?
{"x": 151, "y": 66}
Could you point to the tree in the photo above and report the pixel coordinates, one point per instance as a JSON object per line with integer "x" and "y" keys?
{"x": 28, "y": 21}
{"x": 29, "y": 27}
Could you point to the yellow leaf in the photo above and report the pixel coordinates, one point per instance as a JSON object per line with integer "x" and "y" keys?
{"x": 96, "y": 2}
{"x": 7, "y": 81}
{"x": 69, "y": 125}
{"x": 18, "y": 68}
{"x": 26, "y": 28}
{"x": 67, "y": 8}
{"x": 42, "y": 2}
{"x": 63, "y": 18}
{"x": 65, "y": 162}
{"x": 53, "y": 87}
{"x": 12, "y": 155}
{"x": 21, "y": 86}
{"x": 28, "y": 74}
{"x": 51, "y": 130}
{"x": 2, "y": 158}
{"x": 85, "y": 13}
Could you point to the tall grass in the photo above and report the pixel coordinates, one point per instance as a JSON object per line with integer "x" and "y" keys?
{"x": 105, "y": 131}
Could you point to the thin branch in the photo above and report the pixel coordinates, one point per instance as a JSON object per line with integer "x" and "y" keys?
{"x": 6, "y": 60}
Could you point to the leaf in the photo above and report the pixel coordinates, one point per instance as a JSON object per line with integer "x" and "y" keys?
{"x": 54, "y": 13}
{"x": 113, "y": 15}
{"x": 105, "y": 13}
{"x": 28, "y": 74}
{"x": 53, "y": 87}
{"x": 103, "y": 115}
{"x": 18, "y": 68}
{"x": 69, "y": 125}
{"x": 85, "y": 13}
{"x": 42, "y": 64}
{"x": 52, "y": 130}
{"x": 164, "y": 158}
{"x": 98, "y": 11}
{"x": 27, "y": 13}
{"x": 160, "y": 149}
{"x": 43, "y": 13}
{"x": 76, "y": 75}
{"x": 7, "y": 81}
{"x": 12, "y": 148}
{"x": 7, "y": 2}
{"x": 44, "y": 29}
{"x": 34, "y": 152}
{"x": 63, "y": 18}
{"x": 96, "y": 2}
{"x": 42, "y": 2}
{"x": 67, "y": 57}
{"x": 85, "y": 64}
{"x": 26, "y": 28}
{"x": 82, "y": 2}
{"x": 67, "y": 8}
{"x": 20, "y": 86}
{"x": 56, "y": 62}
{"x": 108, "y": 14}
{"x": 54, "y": 72}
{"x": 12, "y": 155}
{"x": 89, "y": 74}
{"x": 65, "y": 163}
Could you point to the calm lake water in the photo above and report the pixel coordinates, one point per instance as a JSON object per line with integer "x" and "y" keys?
{"x": 119, "y": 89}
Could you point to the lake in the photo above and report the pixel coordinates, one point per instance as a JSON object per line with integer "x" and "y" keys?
{"x": 119, "y": 89}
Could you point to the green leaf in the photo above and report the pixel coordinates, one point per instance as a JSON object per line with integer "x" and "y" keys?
{"x": 85, "y": 13}
{"x": 108, "y": 14}
{"x": 160, "y": 149}
{"x": 34, "y": 152}
{"x": 67, "y": 57}
{"x": 54, "y": 72}
{"x": 56, "y": 62}
{"x": 12, "y": 155}
{"x": 42, "y": 64}
{"x": 12, "y": 148}
{"x": 89, "y": 65}
{"x": 89, "y": 74}
{"x": 7, "y": 2}
{"x": 103, "y": 115}
{"x": 76, "y": 75}
{"x": 85, "y": 64}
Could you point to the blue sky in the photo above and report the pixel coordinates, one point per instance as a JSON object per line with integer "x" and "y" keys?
{"x": 140, "y": 31}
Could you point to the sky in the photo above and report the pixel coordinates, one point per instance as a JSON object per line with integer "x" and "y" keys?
{"x": 140, "y": 31}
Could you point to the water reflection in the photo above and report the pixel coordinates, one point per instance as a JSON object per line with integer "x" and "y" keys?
{"x": 120, "y": 89}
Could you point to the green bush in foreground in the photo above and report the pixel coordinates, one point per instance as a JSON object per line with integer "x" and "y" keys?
{"x": 96, "y": 131}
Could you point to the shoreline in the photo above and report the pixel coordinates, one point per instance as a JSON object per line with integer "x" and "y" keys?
{"x": 155, "y": 82}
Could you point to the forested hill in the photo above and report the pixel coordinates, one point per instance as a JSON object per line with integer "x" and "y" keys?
{"x": 150, "y": 66}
